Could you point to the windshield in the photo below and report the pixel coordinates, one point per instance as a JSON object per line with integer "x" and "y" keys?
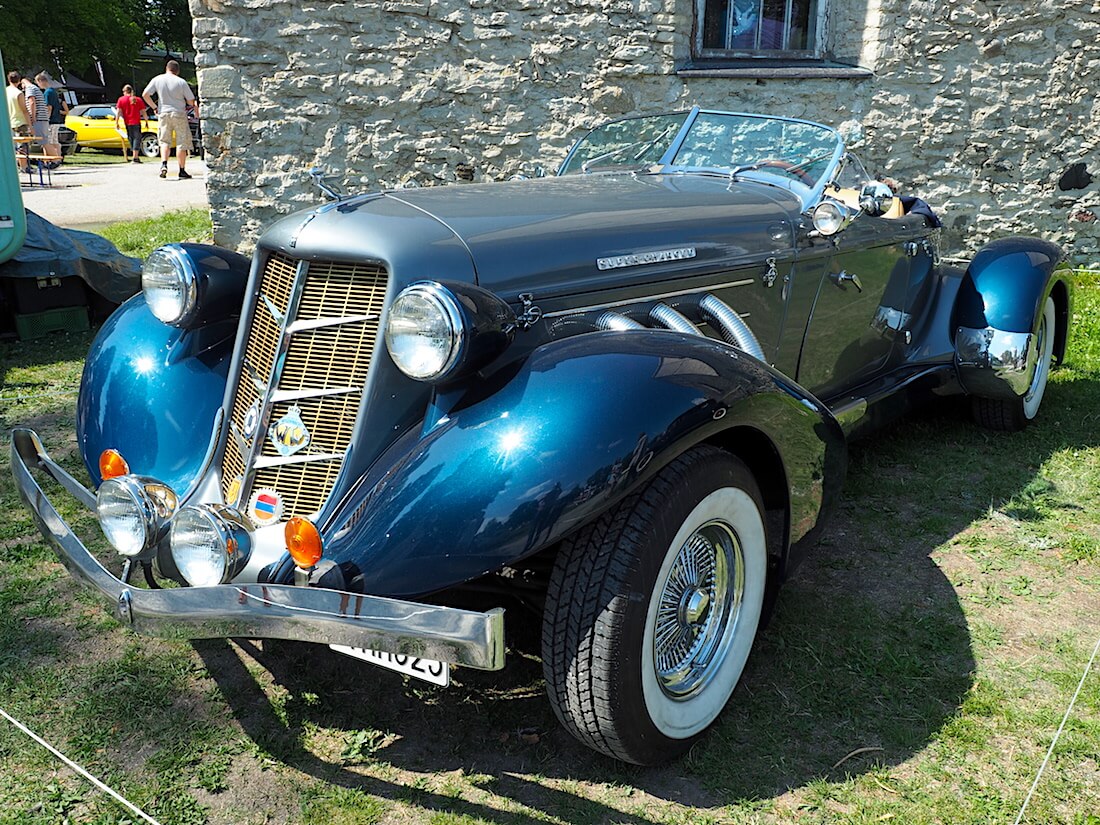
{"x": 793, "y": 151}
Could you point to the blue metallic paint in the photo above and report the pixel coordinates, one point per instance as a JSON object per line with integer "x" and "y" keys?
{"x": 1007, "y": 283}
{"x": 152, "y": 392}
{"x": 540, "y": 447}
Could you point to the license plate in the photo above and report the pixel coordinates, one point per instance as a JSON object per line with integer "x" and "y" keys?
{"x": 438, "y": 673}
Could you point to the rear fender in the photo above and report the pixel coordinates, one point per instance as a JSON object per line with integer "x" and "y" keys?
{"x": 997, "y": 310}
{"x": 152, "y": 392}
{"x": 509, "y": 465}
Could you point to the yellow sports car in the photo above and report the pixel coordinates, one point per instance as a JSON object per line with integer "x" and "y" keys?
{"x": 94, "y": 124}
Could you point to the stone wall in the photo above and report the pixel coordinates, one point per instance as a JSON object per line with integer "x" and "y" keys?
{"x": 986, "y": 109}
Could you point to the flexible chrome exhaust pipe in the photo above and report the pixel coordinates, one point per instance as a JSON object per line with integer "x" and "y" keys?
{"x": 669, "y": 318}
{"x": 616, "y": 321}
{"x": 734, "y": 330}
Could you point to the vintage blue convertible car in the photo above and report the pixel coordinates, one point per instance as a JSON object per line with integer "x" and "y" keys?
{"x": 619, "y": 397}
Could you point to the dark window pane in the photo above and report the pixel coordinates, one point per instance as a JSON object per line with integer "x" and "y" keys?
{"x": 745, "y": 24}
{"x": 803, "y": 24}
{"x": 714, "y": 24}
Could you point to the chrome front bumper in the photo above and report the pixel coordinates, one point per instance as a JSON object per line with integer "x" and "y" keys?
{"x": 261, "y": 611}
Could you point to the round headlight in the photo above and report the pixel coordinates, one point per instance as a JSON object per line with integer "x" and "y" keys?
{"x": 210, "y": 544}
{"x": 424, "y": 331}
{"x": 132, "y": 511}
{"x": 169, "y": 282}
{"x": 830, "y": 217}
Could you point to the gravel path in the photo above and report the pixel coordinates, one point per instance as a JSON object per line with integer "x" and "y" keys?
{"x": 86, "y": 197}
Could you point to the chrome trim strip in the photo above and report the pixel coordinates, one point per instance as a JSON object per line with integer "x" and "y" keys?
{"x": 265, "y": 611}
{"x": 279, "y": 461}
{"x": 646, "y": 298}
{"x": 274, "y": 310}
{"x": 208, "y": 459}
{"x": 253, "y": 376}
{"x": 279, "y": 396}
{"x": 318, "y": 323}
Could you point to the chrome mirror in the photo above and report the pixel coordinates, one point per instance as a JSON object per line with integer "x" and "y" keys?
{"x": 876, "y": 198}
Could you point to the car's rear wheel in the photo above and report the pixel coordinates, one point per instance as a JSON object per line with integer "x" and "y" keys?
{"x": 1017, "y": 413}
{"x": 150, "y": 146}
{"x": 652, "y": 610}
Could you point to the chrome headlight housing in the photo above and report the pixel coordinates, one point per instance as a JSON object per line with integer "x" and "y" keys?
{"x": 170, "y": 284}
{"x": 424, "y": 331}
{"x": 830, "y": 217}
{"x": 210, "y": 544}
{"x": 133, "y": 512}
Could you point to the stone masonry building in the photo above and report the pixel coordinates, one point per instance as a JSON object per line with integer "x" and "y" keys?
{"x": 987, "y": 109}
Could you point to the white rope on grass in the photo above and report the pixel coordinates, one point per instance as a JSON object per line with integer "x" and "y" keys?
{"x": 129, "y": 805}
{"x": 1058, "y": 734}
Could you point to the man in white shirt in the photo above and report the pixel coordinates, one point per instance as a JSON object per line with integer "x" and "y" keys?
{"x": 174, "y": 95}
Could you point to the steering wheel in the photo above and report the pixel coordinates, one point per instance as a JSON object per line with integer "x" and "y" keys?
{"x": 794, "y": 170}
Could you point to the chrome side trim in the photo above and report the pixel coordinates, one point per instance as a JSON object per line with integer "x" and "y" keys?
{"x": 993, "y": 363}
{"x": 647, "y": 298}
{"x": 264, "y": 611}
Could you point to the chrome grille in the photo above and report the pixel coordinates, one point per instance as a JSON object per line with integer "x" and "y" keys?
{"x": 330, "y": 332}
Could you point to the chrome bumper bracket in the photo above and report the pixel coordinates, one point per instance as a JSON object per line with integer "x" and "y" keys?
{"x": 265, "y": 611}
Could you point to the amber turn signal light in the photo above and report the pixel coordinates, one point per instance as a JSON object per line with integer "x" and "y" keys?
{"x": 303, "y": 542}
{"x": 112, "y": 464}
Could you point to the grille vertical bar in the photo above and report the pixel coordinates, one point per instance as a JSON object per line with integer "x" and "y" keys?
{"x": 328, "y": 345}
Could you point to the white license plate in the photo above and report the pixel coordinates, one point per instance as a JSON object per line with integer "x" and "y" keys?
{"x": 438, "y": 673}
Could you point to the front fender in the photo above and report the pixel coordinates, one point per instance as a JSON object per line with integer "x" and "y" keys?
{"x": 523, "y": 457}
{"x": 152, "y": 391}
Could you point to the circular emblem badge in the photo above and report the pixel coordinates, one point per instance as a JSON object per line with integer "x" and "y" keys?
{"x": 289, "y": 434}
{"x": 265, "y": 507}
{"x": 252, "y": 420}
{"x": 234, "y": 491}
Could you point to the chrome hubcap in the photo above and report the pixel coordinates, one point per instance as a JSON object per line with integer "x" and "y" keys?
{"x": 699, "y": 603}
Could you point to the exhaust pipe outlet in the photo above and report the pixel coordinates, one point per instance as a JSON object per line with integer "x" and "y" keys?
{"x": 669, "y": 318}
{"x": 616, "y": 321}
{"x": 734, "y": 330}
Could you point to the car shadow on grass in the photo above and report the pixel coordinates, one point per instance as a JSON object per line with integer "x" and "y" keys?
{"x": 867, "y": 656}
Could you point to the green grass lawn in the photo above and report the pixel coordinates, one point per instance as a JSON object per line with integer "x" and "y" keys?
{"x": 915, "y": 670}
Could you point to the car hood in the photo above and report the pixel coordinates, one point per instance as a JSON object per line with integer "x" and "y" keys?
{"x": 548, "y": 233}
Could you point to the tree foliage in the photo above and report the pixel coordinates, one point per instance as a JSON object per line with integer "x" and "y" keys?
{"x": 74, "y": 33}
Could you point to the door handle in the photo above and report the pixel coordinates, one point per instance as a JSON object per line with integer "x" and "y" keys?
{"x": 841, "y": 278}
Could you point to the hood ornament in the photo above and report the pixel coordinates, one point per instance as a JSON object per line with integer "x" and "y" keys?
{"x": 317, "y": 175}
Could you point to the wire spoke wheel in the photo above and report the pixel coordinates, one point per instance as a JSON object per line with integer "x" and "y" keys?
{"x": 698, "y": 601}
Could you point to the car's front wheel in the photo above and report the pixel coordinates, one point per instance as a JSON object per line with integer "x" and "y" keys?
{"x": 150, "y": 146}
{"x": 652, "y": 610}
{"x": 1017, "y": 413}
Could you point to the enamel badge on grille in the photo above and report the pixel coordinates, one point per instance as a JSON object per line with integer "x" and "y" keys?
{"x": 265, "y": 508}
{"x": 289, "y": 433}
{"x": 252, "y": 420}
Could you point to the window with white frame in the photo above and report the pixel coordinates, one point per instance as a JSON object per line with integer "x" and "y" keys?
{"x": 759, "y": 28}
